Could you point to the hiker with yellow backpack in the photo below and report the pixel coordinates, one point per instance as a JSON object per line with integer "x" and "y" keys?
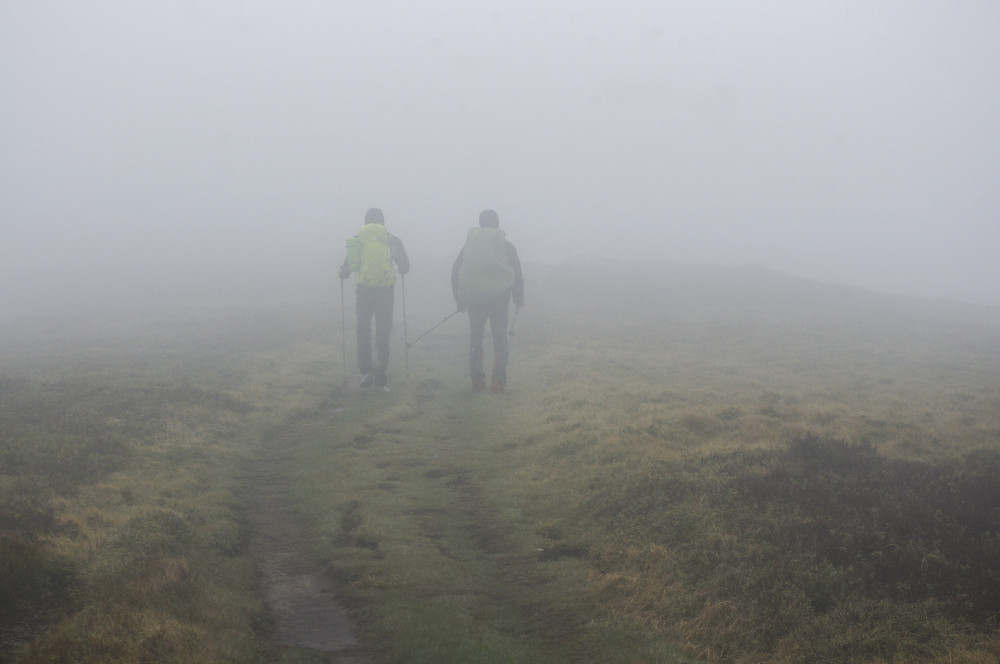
{"x": 484, "y": 278}
{"x": 371, "y": 255}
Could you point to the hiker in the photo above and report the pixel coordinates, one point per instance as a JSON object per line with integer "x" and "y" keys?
{"x": 370, "y": 255}
{"x": 485, "y": 275}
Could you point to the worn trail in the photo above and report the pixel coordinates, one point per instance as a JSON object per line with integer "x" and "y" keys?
{"x": 305, "y": 614}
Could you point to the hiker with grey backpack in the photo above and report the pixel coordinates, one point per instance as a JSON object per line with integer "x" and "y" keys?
{"x": 485, "y": 277}
{"x": 372, "y": 255}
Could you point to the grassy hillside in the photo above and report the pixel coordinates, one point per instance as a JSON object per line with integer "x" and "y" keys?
{"x": 122, "y": 441}
{"x": 689, "y": 465}
{"x": 740, "y": 466}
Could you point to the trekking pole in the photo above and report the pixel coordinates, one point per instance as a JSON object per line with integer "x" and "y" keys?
{"x": 433, "y": 328}
{"x": 343, "y": 333}
{"x": 406, "y": 351}
{"x": 511, "y": 333}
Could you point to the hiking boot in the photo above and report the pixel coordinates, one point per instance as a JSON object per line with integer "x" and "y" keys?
{"x": 367, "y": 380}
{"x": 497, "y": 388}
{"x": 478, "y": 385}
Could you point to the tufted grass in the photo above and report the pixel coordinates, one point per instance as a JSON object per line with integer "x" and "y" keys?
{"x": 705, "y": 484}
{"x": 707, "y": 488}
{"x": 122, "y": 446}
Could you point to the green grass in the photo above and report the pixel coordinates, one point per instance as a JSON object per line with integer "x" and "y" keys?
{"x": 706, "y": 484}
{"x": 120, "y": 459}
{"x": 786, "y": 493}
{"x": 403, "y": 490}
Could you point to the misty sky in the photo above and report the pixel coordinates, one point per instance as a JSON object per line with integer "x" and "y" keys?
{"x": 853, "y": 141}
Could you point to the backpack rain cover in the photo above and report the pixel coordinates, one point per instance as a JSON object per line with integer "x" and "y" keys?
{"x": 485, "y": 275}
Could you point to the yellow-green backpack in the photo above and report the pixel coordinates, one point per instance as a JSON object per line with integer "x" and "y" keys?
{"x": 370, "y": 256}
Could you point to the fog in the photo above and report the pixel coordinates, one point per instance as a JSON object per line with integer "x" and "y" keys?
{"x": 150, "y": 146}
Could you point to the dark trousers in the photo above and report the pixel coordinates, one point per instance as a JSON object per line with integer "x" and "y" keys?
{"x": 496, "y": 314}
{"x": 377, "y": 304}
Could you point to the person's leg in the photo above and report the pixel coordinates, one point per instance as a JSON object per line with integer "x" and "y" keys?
{"x": 385, "y": 298}
{"x": 365, "y": 309}
{"x": 501, "y": 349}
{"x": 477, "y": 324}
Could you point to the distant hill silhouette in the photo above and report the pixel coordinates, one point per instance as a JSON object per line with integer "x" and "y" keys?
{"x": 657, "y": 289}
{"x": 585, "y": 285}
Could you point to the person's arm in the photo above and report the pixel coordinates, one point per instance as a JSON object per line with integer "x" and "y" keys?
{"x": 399, "y": 254}
{"x": 515, "y": 262}
{"x": 345, "y": 269}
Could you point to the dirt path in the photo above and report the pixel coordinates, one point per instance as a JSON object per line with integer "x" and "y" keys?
{"x": 305, "y": 614}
